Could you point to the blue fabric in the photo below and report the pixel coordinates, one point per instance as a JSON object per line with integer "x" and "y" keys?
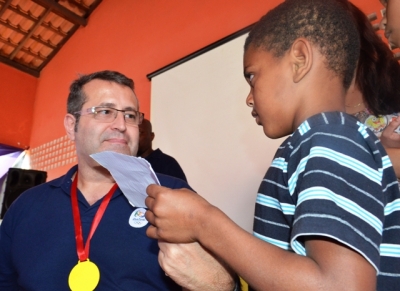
{"x": 165, "y": 164}
{"x": 38, "y": 249}
{"x": 333, "y": 178}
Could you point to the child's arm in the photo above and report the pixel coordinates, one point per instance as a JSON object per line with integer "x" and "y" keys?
{"x": 183, "y": 216}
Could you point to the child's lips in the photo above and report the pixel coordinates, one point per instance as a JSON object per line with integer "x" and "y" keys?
{"x": 255, "y": 115}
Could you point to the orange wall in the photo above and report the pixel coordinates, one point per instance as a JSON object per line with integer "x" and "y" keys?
{"x": 17, "y": 95}
{"x": 137, "y": 38}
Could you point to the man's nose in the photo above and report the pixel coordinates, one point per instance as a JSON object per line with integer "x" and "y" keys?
{"x": 119, "y": 121}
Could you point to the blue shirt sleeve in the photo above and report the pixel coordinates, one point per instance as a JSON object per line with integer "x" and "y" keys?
{"x": 172, "y": 182}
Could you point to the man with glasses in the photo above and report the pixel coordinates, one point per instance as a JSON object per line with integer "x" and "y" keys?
{"x": 79, "y": 232}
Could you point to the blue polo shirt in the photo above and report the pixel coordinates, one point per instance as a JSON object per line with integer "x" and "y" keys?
{"x": 332, "y": 178}
{"x": 38, "y": 248}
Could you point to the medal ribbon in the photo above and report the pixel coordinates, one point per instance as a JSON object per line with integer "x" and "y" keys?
{"x": 83, "y": 251}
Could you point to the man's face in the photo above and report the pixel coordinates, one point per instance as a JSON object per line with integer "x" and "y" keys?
{"x": 269, "y": 92}
{"x": 93, "y": 136}
{"x": 391, "y": 21}
{"x": 146, "y": 137}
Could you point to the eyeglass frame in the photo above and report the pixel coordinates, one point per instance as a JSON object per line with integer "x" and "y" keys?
{"x": 92, "y": 110}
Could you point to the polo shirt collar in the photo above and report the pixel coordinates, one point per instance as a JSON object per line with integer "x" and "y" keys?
{"x": 65, "y": 183}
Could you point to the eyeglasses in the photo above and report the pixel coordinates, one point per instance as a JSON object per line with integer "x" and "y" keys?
{"x": 108, "y": 114}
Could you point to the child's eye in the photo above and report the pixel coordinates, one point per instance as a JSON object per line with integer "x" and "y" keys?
{"x": 249, "y": 78}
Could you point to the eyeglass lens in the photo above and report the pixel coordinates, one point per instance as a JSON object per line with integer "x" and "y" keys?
{"x": 107, "y": 114}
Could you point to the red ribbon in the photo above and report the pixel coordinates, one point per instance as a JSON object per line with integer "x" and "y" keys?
{"x": 83, "y": 251}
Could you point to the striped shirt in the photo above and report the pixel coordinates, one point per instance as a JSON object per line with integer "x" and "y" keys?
{"x": 333, "y": 178}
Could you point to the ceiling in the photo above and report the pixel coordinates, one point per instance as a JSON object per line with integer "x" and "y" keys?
{"x": 33, "y": 31}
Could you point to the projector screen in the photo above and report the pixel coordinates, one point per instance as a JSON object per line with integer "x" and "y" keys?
{"x": 200, "y": 117}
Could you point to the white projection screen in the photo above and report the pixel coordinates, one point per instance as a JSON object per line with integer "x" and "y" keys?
{"x": 200, "y": 117}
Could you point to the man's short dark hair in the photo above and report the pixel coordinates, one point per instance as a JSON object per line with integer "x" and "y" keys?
{"x": 323, "y": 22}
{"x": 77, "y": 97}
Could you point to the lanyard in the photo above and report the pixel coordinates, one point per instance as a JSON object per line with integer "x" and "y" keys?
{"x": 83, "y": 251}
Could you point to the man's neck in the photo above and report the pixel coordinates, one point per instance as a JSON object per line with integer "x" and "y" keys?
{"x": 94, "y": 183}
{"x": 146, "y": 153}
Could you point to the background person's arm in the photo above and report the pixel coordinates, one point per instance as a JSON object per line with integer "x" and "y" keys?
{"x": 390, "y": 139}
{"x": 394, "y": 155}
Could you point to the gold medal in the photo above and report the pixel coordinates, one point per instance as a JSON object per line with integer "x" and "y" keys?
{"x": 84, "y": 276}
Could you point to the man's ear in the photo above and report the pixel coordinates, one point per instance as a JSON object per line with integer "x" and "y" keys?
{"x": 301, "y": 55}
{"x": 69, "y": 124}
{"x": 152, "y": 136}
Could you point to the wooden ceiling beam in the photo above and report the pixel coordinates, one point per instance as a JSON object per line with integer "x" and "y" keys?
{"x": 62, "y": 11}
{"x": 59, "y": 46}
{"x": 57, "y": 30}
{"x": 5, "y": 6}
{"x": 32, "y": 30}
{"x": 50, "y": 6}
{"x": 15, "y": 28}
{"x": 47, "y": 43}
{"x": 22, "y": 13}
{"x": 94, "y": 6}
{"x": 27, "y": 51}
{"x": 79, "y": 5}
{"x": 19, "y": 66}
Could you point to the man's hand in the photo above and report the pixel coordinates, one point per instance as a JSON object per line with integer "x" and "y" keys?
{"x": 194, "y": 268}
{"x": 175, "y": 215}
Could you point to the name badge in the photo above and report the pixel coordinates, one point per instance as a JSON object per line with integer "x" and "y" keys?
{"x": 137, "y": 219}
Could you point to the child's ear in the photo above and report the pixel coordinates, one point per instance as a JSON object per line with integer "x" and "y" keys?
{"x": 69, "y": 124}
{"x": 301, "y": 58}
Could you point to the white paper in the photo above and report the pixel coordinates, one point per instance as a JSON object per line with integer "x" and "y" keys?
{"x": 132, "y": 174}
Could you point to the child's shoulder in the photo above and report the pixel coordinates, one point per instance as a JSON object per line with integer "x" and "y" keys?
{"x": 337, "y": 131}
{"x": 330, "y": 124}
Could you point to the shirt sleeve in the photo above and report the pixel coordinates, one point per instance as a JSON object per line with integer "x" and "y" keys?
{"x": 8, "y": 275}
{"x": 337, "y": 187}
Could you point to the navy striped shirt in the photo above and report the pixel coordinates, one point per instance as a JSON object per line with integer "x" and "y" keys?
{"x": 333, "y": 178}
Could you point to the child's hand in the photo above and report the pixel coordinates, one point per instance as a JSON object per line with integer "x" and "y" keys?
{"x": 175, "y": 215}
{"x": 390, "y": 137}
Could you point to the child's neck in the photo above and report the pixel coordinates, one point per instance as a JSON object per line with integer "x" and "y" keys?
{"x": 328, "y": 95}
